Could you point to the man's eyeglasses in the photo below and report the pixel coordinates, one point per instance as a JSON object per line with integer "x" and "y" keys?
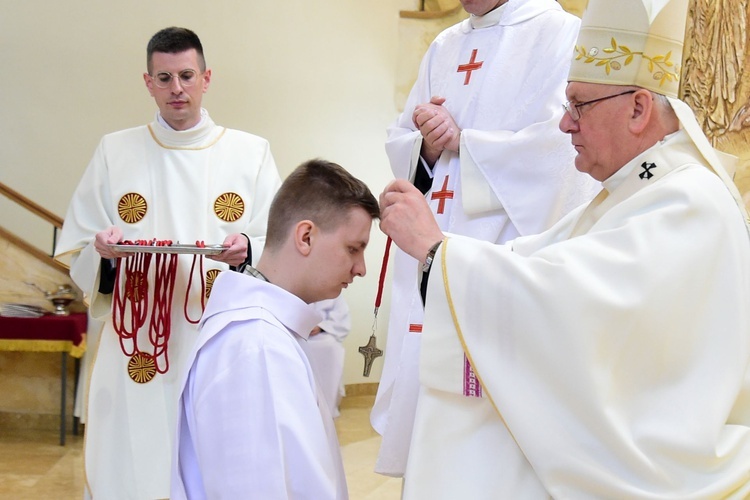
{"x": 574, "y": 110}
{"x": 187, "y": 77}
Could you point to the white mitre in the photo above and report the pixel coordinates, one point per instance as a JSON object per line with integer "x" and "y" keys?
{"x": 640, "y": 43}
{"x": 632, "y": 42}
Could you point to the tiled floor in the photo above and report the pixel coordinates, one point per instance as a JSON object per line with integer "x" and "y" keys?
{"x": 34, "y": 466}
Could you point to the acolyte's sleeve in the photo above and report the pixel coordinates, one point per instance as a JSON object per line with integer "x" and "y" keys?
{"x": 259, "y": 428}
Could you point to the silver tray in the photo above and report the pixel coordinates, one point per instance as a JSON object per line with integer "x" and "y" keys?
{"x": 176, "y": 248}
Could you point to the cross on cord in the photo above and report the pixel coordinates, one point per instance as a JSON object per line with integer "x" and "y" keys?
{"x": 472, "y": 65}
{"x": 370, "y": 352}
{"x": 442, "y": 195}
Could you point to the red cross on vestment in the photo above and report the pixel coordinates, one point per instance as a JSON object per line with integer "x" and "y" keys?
{"x": 415, "y": 328}
{"x": 442, "y": 195}
{"x": 472, "y": 65}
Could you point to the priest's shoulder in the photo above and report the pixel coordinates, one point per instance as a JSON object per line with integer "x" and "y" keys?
{"x": 125, "y": 134}
{"x": 562, "y": 19}
{"x": 701, "y": 188}
{"x": 240, "y": 136}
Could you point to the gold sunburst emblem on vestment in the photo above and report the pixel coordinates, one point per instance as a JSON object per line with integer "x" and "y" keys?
{"x": 142, "y": 368}
{"x": 229, "y": 207}
{"x": 210, "y": 278}
{"x": 132, "y": 208}
{"x": 136, "y": 286}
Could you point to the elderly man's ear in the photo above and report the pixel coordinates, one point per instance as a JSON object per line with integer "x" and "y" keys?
{"x": 643, "y": 107}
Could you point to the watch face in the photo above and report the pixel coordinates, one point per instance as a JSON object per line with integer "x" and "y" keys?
{"x": 430, "y": 256}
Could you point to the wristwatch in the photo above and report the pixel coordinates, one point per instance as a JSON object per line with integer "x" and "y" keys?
{"x": 430, "y": 256}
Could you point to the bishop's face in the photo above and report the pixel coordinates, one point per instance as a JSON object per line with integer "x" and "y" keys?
{"x": 599, "y": 136}
{"x": 481, "y": 7}
{"x": 179, "y": 105}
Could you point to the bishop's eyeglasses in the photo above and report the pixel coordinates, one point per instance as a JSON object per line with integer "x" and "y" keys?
{"x": 187, "y": 77}
{"x": 574, "y": 110}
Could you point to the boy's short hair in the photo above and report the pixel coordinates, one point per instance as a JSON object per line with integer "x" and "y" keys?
{"x": 320, "y": 191}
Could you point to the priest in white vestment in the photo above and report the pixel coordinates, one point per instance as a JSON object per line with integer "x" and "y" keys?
{"x": 613, "y": 350}
{"x": 478, "y": 135}
{"x": 181, "y": 178}
{"x": 253, "y": 422}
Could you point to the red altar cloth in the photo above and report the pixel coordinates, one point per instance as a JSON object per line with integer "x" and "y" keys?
{"x": 48, "y": 333}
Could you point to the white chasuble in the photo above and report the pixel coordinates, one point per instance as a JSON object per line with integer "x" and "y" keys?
{"x": 613, "y": 362}
{"x": 252, "y": 422}
{"x": 200, "y": 184}
{"x": 503, "y": 76}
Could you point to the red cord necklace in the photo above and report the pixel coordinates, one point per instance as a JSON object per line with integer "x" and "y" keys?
{"x": 199, "y": 244}
{"x": 131, "y": 304}
{"x": 134, "y": 295}
{"x": 370, "y": 350}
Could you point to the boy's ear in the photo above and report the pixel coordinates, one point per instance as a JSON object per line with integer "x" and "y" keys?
{"x": 303, "y": 233}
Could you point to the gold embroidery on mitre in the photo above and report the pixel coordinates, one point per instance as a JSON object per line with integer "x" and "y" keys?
{"x": 132, "y": 208}
{"x": 660, "y": 66}
{"x": 229, "y": 207}
{"x": 210, "y": 278}
{"x": 142, "y": 368}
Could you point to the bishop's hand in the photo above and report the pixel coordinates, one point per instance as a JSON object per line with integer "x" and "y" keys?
{"x": 406, "y": 217}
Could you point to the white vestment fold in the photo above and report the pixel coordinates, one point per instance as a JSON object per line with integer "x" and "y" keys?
{"x": 614, "y": 362}
{"x": 252, "y": 423}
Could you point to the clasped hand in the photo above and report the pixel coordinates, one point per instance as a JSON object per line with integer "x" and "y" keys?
{"x": 438, "y": 128}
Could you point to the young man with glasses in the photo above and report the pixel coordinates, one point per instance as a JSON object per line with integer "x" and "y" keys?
{"x": 180, "y": 178}
{"x": 613, "y": 349}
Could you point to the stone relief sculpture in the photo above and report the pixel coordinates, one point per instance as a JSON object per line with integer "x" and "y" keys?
{"x": 716, "y": 40}
{"x": 714, "y": 83}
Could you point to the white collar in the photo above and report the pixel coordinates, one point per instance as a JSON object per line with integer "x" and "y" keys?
{"x": 161, "y": 121}
{"x": 489, "y": 19}
{"x": 615, "y": 180}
